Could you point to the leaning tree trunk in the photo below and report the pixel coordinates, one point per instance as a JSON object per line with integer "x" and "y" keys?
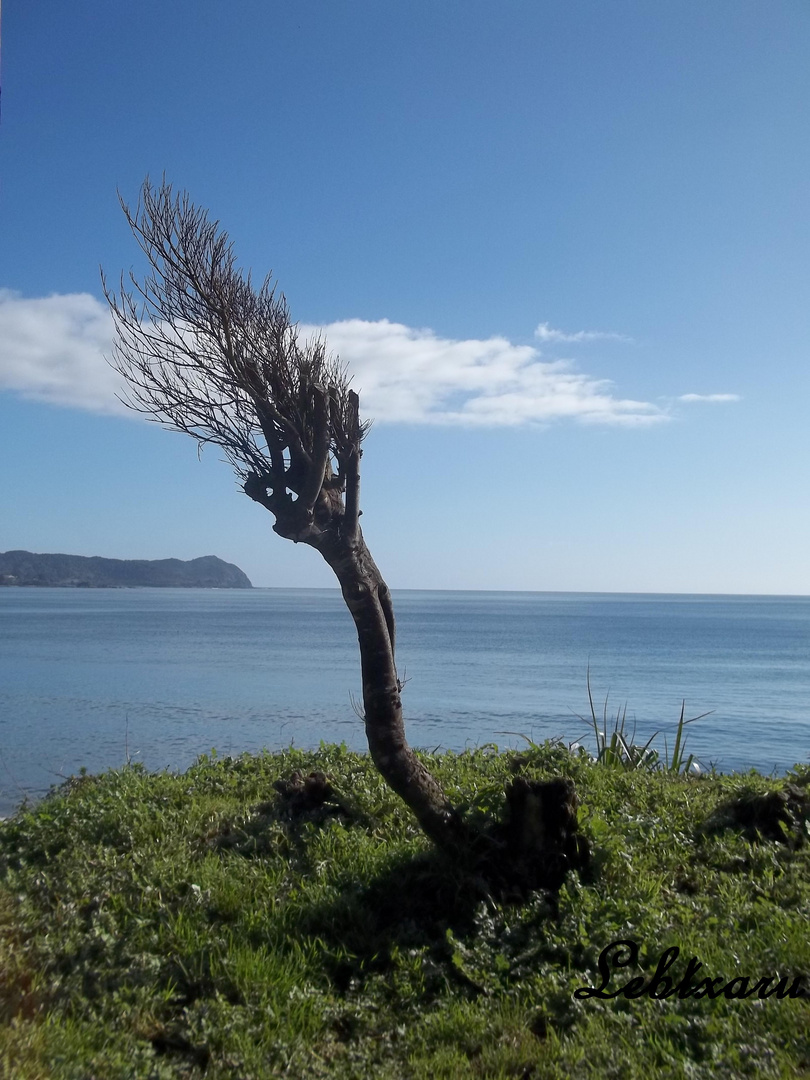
{"x": 369, "y": 601}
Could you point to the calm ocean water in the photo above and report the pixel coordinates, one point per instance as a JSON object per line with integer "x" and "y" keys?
{"x": 87, "y": 677}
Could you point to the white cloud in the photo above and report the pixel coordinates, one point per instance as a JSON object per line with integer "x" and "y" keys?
{"x": 709, "y": 397}
{"x": 414, "y": 376}
{"x": 548, "y": 334}
{"x": 52, "y": 349}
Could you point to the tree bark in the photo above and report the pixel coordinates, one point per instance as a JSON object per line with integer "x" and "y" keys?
{"x": 369, "y": 601}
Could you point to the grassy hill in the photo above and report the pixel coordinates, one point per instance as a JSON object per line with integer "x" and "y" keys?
{"x": 204, "y": 925}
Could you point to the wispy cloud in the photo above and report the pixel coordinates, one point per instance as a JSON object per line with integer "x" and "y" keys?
{"x": 549, "y": 335}
{"x": 52, "y": 349}
{"x": 709, "y": 397}
{"x": 415, "y": 376}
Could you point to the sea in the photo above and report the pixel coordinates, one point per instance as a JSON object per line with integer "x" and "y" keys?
{"x": 95, "y": 678}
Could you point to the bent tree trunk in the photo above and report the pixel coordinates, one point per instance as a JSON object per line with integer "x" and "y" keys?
{"x": 369, "y": 601}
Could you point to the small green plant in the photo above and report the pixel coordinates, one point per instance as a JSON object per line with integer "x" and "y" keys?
{"x": 616, "y": 748}
{"x": 679, "y": 763}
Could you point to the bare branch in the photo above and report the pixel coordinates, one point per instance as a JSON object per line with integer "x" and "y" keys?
{"x": 206, "y": 353}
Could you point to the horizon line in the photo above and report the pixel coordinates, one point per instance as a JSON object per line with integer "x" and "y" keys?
{"x": 548, "y": 592}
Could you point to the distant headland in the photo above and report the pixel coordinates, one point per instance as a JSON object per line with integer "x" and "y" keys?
{"x": 24, "y": 568}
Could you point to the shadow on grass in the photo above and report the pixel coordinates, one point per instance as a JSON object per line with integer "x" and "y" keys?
{"x": 424, "y": 901}
{"x": 429, "y": 900}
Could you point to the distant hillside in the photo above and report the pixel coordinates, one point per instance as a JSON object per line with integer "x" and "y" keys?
{"x": 78, "y": 571}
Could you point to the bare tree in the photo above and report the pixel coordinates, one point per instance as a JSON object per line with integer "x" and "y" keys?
{"x": 206, "y": 352}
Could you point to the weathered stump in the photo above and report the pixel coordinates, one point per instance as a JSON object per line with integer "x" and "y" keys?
{"x": 540, "y": 833}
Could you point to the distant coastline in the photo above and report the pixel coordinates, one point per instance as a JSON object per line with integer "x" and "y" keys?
{"x": 25, "y": 569}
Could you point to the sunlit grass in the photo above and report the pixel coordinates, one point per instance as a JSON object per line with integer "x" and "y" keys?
{"x": 156, "y": 925}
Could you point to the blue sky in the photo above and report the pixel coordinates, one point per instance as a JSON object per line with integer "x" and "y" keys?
{"x": 563, "y": 246}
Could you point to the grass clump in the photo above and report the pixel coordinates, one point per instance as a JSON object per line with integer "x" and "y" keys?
{"x": 616, "y": 747}
{"x": 219, "y": 924}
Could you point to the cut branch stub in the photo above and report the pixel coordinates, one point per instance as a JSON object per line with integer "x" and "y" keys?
{"x": 316, "y": 472}
{"x": 352, "y": 468}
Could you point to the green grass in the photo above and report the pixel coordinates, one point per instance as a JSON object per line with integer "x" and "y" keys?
{"x": 616, "y": 747}
{"x": 156, "y": 925}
